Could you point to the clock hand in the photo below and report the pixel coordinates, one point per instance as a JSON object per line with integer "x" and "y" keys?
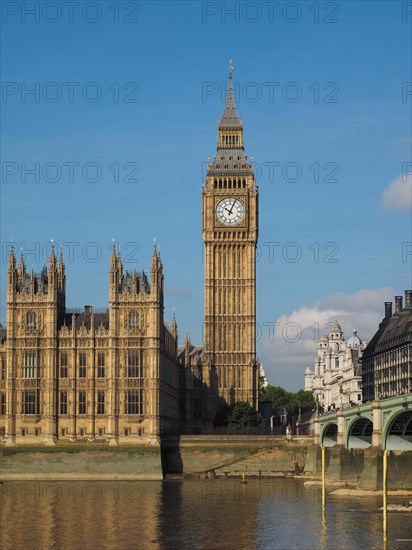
{"x": 232, "y": 207}
{"x": 227, "y": 210}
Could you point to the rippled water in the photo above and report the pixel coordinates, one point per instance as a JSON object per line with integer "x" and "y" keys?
{"x": 263, "y": 514}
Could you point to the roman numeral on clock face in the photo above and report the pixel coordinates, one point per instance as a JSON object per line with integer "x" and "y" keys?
{"x": 230, "y": 211}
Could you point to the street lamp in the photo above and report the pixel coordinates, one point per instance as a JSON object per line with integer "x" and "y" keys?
{"x": 376, "y": 385}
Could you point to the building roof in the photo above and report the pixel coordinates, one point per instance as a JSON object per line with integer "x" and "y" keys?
{"x": 84, "y": 319}
{"x": 230, "y": 160}
{"x": 138, "y": 278}
{"x": 393, "y": 331}
{"x": 230, "y": 117}
{"x": 40, "y": 282}
{"x": 193, "y": 350}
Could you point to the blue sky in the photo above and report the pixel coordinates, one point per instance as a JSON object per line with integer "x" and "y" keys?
{"x": 325, "y": 95}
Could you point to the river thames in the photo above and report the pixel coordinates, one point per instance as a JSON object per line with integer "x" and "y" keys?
{"x": 212, "y": 514}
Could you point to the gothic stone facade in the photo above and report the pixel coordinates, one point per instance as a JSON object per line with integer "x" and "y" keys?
{"x": 230, "y": 233}
{"x": 117, "y": 375}
{"x": 111, "y": 376}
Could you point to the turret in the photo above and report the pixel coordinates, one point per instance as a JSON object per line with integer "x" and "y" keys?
{"x": 11, "y": 275}
{"x": 156, "y": 272}
{"x": 188, "y": 344}
{"x": 116, "y": 273}
{"x": 61, "y": 274}
{"x": 32, "y": 280}
{"x": 52, "y": 271}
{"x": 21, "y": 269}
{"x": 173, "y": 326}
{"x": 134, "y": 282}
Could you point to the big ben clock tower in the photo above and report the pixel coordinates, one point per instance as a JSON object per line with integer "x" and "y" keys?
{"x": 230, "y": 232}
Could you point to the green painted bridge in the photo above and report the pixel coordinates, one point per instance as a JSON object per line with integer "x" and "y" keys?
{"x": 385, "y": 424}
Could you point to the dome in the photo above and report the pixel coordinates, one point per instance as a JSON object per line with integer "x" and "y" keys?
{"x": 354, "y": 341}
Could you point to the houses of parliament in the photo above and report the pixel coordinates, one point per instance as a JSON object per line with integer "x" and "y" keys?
{"x": 118, "y": 375}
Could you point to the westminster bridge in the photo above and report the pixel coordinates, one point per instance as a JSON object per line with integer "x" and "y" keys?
{"x": 384, "y": 424}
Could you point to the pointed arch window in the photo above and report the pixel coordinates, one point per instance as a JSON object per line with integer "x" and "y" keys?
{"x": 133, "y": 403}
{"x": 63, "y": 365}
{"x": 101, "y": 360}
{"x": 31, "y": 320}
{"x": 30, "y": 365}
{"x": 133, "y": 321}
{"x": 133, "y": 364}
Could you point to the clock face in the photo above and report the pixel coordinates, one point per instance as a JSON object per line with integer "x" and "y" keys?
{"x": 230, "y": 211}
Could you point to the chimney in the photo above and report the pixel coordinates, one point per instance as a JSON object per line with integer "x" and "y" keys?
{"x": 408, "y": 299}
{"x": 88, "y": 309}
{"x": 398, "y": 304}
{"x": 388, "y": 309}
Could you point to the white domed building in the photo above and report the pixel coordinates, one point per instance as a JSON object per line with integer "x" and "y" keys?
{"x": 337, "y": 379}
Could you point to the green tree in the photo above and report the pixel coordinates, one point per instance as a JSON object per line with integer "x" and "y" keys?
{"x": 244, "y": 415}
{"x": 291, "y": 401}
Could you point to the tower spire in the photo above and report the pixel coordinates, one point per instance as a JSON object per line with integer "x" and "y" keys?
{"x": 52, "y": 258}
{"x": 22, "y": 264}
{"x": 231, "y": 69}
{"x": 61, "y": 261}
{"x": 230, "y": 118}
{"x": 12, "y": 258}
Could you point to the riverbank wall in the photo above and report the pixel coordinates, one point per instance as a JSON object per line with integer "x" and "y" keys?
{"x": 269, "y": 456}
{"x": 207, "y": 457}
{"x": 79, "y": 462}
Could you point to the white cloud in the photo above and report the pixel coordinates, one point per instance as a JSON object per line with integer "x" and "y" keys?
{"x": 292, "y": 347}
{"x": 398, "y": 196}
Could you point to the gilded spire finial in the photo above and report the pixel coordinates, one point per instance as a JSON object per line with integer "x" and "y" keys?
{"x": 231, "y": 69}
{"x": 52, "y": 253}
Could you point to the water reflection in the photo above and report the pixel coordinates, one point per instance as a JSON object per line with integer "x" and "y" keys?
{"x": 213, "y": 514}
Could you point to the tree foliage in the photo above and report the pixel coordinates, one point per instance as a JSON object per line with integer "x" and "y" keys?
{"x": 290, "y": 401}
{"x": 244, "y": 415}
{"x": 241, "y": 415}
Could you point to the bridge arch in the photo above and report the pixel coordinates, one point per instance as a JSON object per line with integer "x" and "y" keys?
{"x": 329, "y": 436}
{"x": 397, "y": 434}
{"x": 359, "y": 433}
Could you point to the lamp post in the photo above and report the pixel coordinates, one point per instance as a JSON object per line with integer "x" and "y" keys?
{"x": 376, "y": 385}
